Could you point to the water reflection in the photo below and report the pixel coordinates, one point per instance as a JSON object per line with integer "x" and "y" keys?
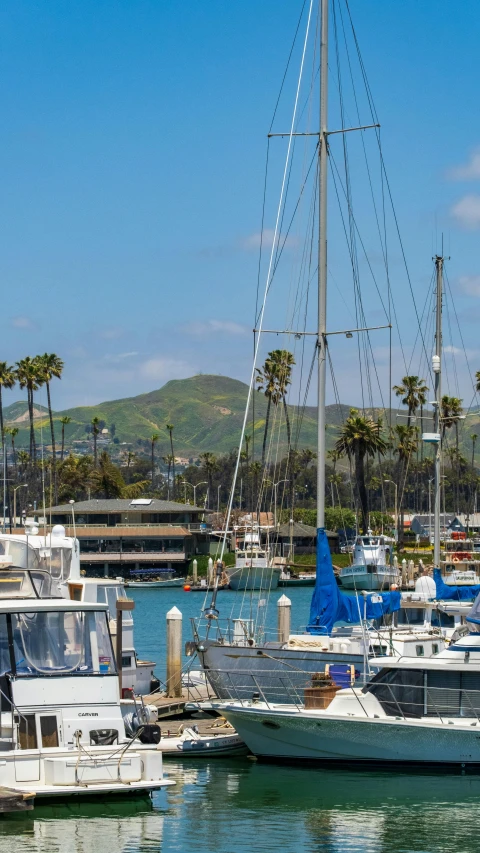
{"x": 240, "y": 806}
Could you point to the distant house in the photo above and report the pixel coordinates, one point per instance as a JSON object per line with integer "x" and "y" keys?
{"x": 422, "y": 525}
{"x": 303, "y": 538}
{"x": 471, "y": 522}
{"x": 122, "y": 536}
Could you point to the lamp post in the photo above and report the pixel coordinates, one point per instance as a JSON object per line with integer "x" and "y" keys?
{"x": 22, "y": 486}
{"x": 218, "y": 498}
{"x": 430, "y": 509}
{"x": 72, "y": 504}
{"x": 396, "y": 506}
{"x": 194, "y": 487}
{"x": 275, "y": 487}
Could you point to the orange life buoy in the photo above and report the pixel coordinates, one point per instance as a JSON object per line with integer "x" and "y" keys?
{"x": 455, "y": 559}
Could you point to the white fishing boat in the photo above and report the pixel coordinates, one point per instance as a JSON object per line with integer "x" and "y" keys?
{"x": 254, "y": 568}
{"x": 61, "y": 725}
{"x": 371, "y": 568}
{"x": 459, "y": 562}
{"x": 57, "y": 556}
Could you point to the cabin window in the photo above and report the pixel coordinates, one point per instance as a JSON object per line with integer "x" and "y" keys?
{"x": 399, "y": 691}
{"x": 442, "y": 620}
{"x": 434, "y": 648}
{"x": 61, "y": 643}
{"x": 420, "y": 651}
{"x": 410, "y": 616}
{"x": 48, "y": 730}
{"x": 126, "y": 660}
{"x": 453, "y": 694}
{"x": 27, "y": 732}
{"x": 108, "y": 595}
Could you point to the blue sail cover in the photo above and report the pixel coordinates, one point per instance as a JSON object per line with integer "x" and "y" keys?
{"x": 453, "y": 593}
{"x": 329, "y": 605}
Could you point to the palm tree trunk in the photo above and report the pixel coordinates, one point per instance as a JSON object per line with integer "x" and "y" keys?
{"x": 14, "y": 457}
{"x": 94, "y": 448}
{"x": 267, "y": 419}
{"x": 1, "y": 417}
{"x": 153, "y": 462}
{"x": 63, "y": 440}
{"x": 33, "y": 453}
{"x": 287, "y": 424}
{"x": 173, "y": 463}
{"x": 54, "y": 451}
{"x": 362, "y": 490}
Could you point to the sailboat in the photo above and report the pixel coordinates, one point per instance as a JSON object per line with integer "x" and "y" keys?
{"x": 239, "y": 663}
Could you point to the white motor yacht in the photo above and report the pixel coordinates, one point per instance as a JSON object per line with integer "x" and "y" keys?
{"x": 61, "y": 726}
{"x": 58, "y": 556}
{"x": 411, "y": 711}
{"x": 371, "y": 569}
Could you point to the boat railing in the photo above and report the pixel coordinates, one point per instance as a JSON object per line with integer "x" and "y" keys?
{"x": 232, "y": 631}
{"x": 274, "y": 687}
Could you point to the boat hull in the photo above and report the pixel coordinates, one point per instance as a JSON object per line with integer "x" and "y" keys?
{"x": 297, "y": 736}
{"x": 174, "y": 582}
{"x": 371, "y": 581}
{"x": 254, "y": 578}
{"x": 237, "y": 672}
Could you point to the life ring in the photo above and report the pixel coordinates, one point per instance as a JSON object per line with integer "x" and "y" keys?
{"x": 455, "y": 559}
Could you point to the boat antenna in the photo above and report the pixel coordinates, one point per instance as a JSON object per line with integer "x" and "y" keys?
{"x": 437, "y": 372}
{"x": 322, "y": 266}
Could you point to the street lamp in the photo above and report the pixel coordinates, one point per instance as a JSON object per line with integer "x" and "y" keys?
{"x": 396, "y": 507}
{"x": 22, "y": 486}
{"x": 194, "y": 487}
{"x": 218, "y": 498}
{"x": 275, "y": 487}
{"x": 72, "y": 503}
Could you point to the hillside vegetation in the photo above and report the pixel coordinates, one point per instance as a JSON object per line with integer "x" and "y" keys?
{"x": 206, "y": 411}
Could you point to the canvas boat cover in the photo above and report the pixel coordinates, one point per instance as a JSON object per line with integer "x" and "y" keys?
{"x": 329, "y": 605}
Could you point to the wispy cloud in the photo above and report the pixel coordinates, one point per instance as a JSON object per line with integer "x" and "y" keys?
{"x": 22, "y": 323}
{"x": 449, "y": 349}
{"x": 204, "y": 328}
{"x": 469, "y": 171}
{"x": 111, "y": 334}
{"x": 120, "y": 356}
{"x": 265, "y": 239}
{"x": 160, "y": 369}
{"x": 470, "y": 284}
{"x": 467, "y": 212}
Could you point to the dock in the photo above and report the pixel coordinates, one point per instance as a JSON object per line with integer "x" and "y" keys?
{"x": 12, "y": 800}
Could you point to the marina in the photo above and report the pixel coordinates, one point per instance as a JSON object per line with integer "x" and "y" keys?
{"x": 249, "y": 231}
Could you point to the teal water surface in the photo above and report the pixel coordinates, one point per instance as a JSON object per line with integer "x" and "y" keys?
{"x": 241, "y": 806}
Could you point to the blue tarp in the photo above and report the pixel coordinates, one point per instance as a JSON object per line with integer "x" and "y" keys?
{"x": 453, "y": 593}
{"x": 329, "y": 605}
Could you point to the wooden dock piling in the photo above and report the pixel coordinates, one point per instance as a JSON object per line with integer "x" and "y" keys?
{"x": 174, "y": 653}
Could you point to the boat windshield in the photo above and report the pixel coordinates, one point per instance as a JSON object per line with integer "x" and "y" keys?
{"x": 58, "y": 643}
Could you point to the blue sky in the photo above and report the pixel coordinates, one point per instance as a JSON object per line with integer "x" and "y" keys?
{"x": 132, "y": 161}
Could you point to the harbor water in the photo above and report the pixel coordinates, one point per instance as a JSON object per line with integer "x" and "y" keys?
{"x": 240, "y": 805}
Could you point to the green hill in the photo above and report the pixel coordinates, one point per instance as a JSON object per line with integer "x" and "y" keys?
{"x": 206, "y": 411}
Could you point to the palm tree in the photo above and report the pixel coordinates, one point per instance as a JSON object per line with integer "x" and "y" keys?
{"x": 64, "y": 422}
{"x": 477, "y": 381}
{"x": 267, "y": 382}
{"x": 361, "y": 437}
{"x": 51, "y": 366}
{"x": 95, "y": 422}
{"x": 451, "y": 413}
{"x": 474, "y": 437}
{"x": 29, "y": 376}
{"x": 414, "y": 393}
{"x": 406, "y": 438}
{"x": 210, "y": 465}
{"x": 247, "y": 439}
{"x": 13, "y": 432}
{"x": 8, "y": 379}
{"x": 282, "y": 362}
{"x": 153, "y": 440}
{"x": 168, "y": 462}
{"x": 170, "y": 431}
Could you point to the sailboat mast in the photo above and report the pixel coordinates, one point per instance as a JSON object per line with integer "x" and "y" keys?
{"x": 437, "y": 371}
{"x": 322, "y": 263}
